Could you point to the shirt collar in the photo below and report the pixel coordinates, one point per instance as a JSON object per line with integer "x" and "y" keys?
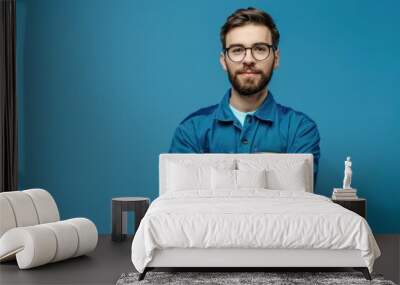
{"x": 265, "y": 112}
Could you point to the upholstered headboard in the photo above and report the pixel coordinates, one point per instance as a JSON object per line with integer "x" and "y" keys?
{"x": 165, "y": 158}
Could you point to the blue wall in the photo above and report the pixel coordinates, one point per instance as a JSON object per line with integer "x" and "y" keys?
{"x": 103, "y": 84}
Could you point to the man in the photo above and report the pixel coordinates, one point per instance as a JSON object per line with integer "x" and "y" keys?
{"x": 248, "y": 119}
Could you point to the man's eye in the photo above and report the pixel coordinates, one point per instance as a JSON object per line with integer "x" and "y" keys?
{"x": 237, "y": 50}
{"x": 260, "y": 48}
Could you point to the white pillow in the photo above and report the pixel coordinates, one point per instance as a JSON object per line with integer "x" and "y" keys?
{"x": 282, "y": 174}
{"x": 223, "y": 179}
{"x": 193, "y": 174}
{"x": 236, "y": 179}
{"x": 251, "y": 178}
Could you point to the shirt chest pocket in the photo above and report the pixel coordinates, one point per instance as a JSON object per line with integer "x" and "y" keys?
{"x": 269, "y": 142}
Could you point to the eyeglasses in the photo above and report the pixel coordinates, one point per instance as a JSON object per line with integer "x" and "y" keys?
{"x": 260, "y": 52}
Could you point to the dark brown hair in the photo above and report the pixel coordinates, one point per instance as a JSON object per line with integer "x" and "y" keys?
{"x": 242, "y": 17}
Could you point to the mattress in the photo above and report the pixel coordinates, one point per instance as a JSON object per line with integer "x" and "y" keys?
{"x": 250, "y": 219}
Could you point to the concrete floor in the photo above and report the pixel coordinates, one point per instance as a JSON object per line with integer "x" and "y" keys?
{"x": 111, "y": 259}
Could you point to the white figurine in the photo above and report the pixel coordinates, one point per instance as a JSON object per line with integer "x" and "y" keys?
{"x": 347, "y": 173}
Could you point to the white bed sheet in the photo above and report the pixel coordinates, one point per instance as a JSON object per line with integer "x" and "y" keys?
{"x": 250, "y": 218}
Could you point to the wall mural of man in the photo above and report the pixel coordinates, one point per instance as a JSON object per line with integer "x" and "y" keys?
{"x": 248, "y": 119}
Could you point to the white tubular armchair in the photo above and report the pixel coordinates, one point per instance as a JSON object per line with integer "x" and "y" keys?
{"x": 32, "y": 233}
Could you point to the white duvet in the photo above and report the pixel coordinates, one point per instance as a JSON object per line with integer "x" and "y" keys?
{"x": 251, "y": 218}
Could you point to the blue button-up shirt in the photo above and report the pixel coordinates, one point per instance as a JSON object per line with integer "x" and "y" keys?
{"x": 272, "y": 128}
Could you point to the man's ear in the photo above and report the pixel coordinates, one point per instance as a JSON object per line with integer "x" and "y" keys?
{"x": 277, "y": 58}
{"x": 222, "y": 60}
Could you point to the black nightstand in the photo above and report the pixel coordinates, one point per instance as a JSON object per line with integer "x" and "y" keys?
{"x": 358, "y": 206}
{"x": 120, "y": 207}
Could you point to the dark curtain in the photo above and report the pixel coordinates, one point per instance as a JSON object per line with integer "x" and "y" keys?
{"x": 8, "y": 115}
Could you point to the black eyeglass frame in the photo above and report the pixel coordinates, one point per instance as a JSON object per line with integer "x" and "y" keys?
{"x": 226, "y": 51}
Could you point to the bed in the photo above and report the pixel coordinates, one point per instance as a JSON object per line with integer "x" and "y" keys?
{"x": 245, "y": 211}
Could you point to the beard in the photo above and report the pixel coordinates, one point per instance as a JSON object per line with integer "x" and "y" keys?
{"x": 249, "y": 86}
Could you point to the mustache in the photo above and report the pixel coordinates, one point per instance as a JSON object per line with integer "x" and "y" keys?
{"x": 248, "y": 70}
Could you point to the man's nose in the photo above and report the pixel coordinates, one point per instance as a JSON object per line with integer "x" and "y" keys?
{"x": 248, "y": 57}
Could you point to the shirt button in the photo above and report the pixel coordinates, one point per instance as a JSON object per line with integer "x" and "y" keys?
{"x": 245, "y": 141}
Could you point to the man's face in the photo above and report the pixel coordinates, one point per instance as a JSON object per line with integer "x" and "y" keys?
{"x": 249, "y": 76}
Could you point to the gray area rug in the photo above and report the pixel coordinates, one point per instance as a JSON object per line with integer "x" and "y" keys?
{"x": 229, "y": 278}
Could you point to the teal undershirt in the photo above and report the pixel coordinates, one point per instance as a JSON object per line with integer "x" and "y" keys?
{"x": 241, "y": 116}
